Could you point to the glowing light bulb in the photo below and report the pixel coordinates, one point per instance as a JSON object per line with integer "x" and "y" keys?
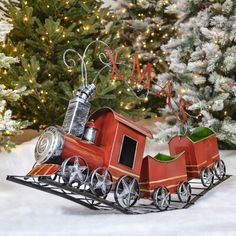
{"x": 86, "y": 27}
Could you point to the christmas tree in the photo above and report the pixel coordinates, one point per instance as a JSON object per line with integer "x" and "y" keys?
{"x": 145, "y": 27}
{"x": 203, "y": 63}
{"x": 8, "y": 126}
{"x": 42, "y": 31}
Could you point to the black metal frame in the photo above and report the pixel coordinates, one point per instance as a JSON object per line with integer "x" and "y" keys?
{"x": 83, "y": 197}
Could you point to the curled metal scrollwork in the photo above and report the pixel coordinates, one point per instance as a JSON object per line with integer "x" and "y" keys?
{"x": 71, "y": 63}
{"x": 104, "y": 60}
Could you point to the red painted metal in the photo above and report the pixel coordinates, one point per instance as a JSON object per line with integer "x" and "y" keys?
{"x": 116, "y": 168}
{"x": 44, "y": 170}
{"x": 111, "y": 131}
{"x": 155, "y": 173}
{"x": 92, "y": 154}
{"x": 125, "y": 121}
{"x": 90, "y": 124}
{"x": 199, "y": 155}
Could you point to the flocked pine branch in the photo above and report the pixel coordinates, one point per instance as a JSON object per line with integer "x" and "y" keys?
{"x": 8, "y": 125}
{"x": 203, "y": 64}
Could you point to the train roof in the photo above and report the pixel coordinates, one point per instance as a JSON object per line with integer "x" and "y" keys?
{"x": 122, "y": 120}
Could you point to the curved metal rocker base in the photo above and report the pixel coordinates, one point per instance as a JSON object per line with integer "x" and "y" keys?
{"x": 81, "y": 196}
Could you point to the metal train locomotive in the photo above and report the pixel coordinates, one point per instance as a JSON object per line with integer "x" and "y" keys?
{"x": 103, "y": 154}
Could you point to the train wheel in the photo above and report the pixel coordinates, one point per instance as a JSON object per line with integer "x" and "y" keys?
{"x": 161, "y": 198}
{"x": 207, "y": 177}
{"x": 74, "y": 171}
{"x": 184, "y": 192}
{"x": 100, "y": 182}
{"x": 219, "y": 169}
{"x": 127, "y": 191}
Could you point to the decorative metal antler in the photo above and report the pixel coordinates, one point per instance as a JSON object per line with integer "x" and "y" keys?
{"x": 71, "y": 63}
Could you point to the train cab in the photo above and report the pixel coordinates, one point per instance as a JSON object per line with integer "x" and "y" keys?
{"x": 123, "y": 142}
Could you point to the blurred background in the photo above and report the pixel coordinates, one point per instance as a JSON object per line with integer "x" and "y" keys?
{"x": 190, "y": 45}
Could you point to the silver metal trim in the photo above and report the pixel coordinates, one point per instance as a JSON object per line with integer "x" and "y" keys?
{"x": 49, "y": 144}
{"x": 90, "y": 134}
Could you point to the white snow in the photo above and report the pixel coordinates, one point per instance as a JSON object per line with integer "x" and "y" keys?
{"x": 28, "y": 212}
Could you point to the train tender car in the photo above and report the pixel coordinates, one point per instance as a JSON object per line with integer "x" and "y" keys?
{"x": 202, "y": 155}
{"x": 162, "y": 175}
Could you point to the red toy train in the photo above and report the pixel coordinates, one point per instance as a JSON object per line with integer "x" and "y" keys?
{"x": 108, "y": 156}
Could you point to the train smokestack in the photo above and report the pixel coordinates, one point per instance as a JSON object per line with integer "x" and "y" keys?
{"x": 78, "y": 111}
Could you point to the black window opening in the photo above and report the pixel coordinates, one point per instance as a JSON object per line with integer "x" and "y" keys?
{"x": 128, "y": 152}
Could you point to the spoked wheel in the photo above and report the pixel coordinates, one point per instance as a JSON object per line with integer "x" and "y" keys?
{"x": 161, "y": 198}
{"x": 219, "y": 169}
{"x": 207, "y": 177}
{"x": 127, "y": 191}
{"x": 184, "y": 192}
{"x": 100, "y": 182}
{"x": 74, "y": 171}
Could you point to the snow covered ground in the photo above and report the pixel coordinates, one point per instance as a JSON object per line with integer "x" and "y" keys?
{"x": 29, "y": 212}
